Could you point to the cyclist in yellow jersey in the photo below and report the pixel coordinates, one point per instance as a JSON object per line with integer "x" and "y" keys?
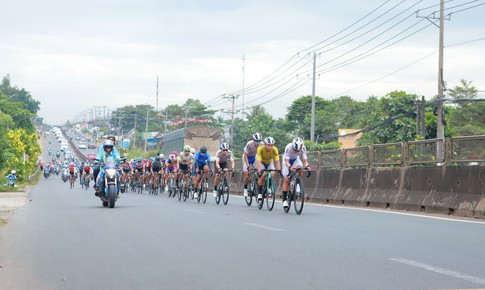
{"x": 267, "y": 157}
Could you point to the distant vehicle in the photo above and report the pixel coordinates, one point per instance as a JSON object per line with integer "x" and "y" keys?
{"x": 82, "y": 146}
{"x": 77, "y": 138}
{"x": 91, "y": 156}
{"x": 64, "y": 147}
{"x": 92, "y": 146}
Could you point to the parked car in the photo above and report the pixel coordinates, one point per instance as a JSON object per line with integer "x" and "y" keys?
{"x": 82, "y": 146}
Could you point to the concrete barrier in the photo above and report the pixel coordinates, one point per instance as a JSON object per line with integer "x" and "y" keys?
{"x": 450, "y": 190}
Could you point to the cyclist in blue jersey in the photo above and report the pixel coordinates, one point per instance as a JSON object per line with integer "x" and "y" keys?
{"x": 202, "y": 162}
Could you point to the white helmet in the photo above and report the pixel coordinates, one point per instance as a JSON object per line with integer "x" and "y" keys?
{"x": 192, "y": 151}
{"x": 297, "y": 144}
{"x": 13, "y": 172}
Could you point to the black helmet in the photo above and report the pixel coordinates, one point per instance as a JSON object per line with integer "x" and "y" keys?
{"x": 203, "y": 149}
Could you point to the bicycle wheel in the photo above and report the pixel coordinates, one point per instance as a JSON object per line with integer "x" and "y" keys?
{"x": 270, "y": 194}
{"x": 199, "y": 196}
{"x": 205, "y": 185}
{"x": 299, "y": 195}
{"x": 218, "y": 194}
{"x": 251, "y": 191}
{"x": 185, "y": 193}
{"x": 261, "y": 201}
{"x": 225, "y": 192}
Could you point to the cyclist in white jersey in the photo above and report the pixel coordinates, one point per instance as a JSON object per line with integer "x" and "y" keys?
{"x": 294, "y": 157}
{"x": 185, "y": 161}
{"x": 249, "y": 158}
{"x": 222, "y": 156}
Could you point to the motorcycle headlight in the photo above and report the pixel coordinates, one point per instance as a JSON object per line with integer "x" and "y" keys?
{"x": 111, "y": 173}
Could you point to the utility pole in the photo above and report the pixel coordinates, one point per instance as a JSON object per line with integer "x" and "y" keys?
{"x": 134, "y": 130}
{"x": 242, "y": 93}
{"x": 312, "y": 128}
{"x": 156, "y": 109}
{"x": 233, "y": 97}
{"x": 146, "y": 132}
{"x": 441, "y": 132}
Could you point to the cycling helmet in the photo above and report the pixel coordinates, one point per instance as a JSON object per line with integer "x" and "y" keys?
{"x": 139, "y": 159}
{"x": 269, "y": 141}
{"x": 174, "y": 152}
{"x": 108, "y": 144}
{"x": 187, "y": 148}
{"x": 297, "y": 144}
{"x": 87, "y": 163}
{"x": 157, "y": 158}
{"x": 257, "y": 137}
{"x": 161, "y": 156}
{"x": 203, "y": 149}
{"x": 224, "y": 146}
{"x": 172, "y": 157}
{"x": 13, "y": 172}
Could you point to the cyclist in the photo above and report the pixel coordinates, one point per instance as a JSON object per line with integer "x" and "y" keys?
{"x": 87, "y": 170}
{"x": 202, "y": 162}
{"x": 138, "y": 169}
{"x": 72, "y": 172}
{"x": 185, "y": 161}
{"x": 126, "y": 170}
{"x": 268, "y": 157}
{"x": 222, "y": 156}
{"x": 156, "y": 169}
{"x": 294, "y": 157}
{"x": 170, "y": 167}
{"x": 249, "y": 158}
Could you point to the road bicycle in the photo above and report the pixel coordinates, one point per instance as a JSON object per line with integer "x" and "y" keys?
{"x": 202, "y": 187}
{"x": 252, "y": 186}
{"x": 223, "y": 186}
{"x": 184, "y": 185}
{"x": 172, "y": 188}
{"x": 296, "y": 191}
{"x": 268, "y": 190}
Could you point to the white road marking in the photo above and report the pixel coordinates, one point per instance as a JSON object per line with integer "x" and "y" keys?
{"x": 440, "y": 270}
{"x": 457, "y": 219}
{"x": 265, "y": 227}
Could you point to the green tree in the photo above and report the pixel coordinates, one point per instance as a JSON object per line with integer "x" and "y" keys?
{"x": 468, "y": 117}
{"x": 393, "y": 119}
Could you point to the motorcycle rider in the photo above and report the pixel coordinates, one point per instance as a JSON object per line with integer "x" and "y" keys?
{"x": 108, "y": 152}
{"x": 101, "y": 151}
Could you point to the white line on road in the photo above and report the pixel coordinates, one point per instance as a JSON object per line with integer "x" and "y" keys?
{"x": 440, "y": 270}
{"x": 265, "y": 227}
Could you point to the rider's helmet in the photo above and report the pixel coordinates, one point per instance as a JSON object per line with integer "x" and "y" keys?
{"x": 172, "y": 156}
{"x": 87, "y": 163}
{"x": 158, "y": 158}
{"x": 187, "y": 148}
{"x": 269, "y": 141}
{"x": 112, "y": 138}
{"x": 13, "y": 172}
{"x": 297, "y": 144}
{"x": 257, "y": 137}
{"x": 174, "y": 152}
{"x": 224, "y": 146}
{"x": 203, "y": 149}
{"x": 192, "y": 151}
{"x": 108, "y": 144}
{"x": 139, "y": 160}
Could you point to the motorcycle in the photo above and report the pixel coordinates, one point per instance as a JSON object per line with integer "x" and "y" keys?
{"x": 57, "y": 169}
{"x": 65, "y": 174}
{"x": 109, "y": 189}
{"x": 47, "y": 172}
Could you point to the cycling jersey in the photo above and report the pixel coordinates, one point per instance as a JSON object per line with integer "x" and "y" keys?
{"x": 266, "y": 156}
{"x": 202, "y": 160}
{"x": 292, "y": 155}
{"x": 222, "y": 157}
{"x": 157, "y": 166}
{"x": 186, "y": 159}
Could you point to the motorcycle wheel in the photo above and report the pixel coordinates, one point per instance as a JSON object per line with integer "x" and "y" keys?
{"x": 111, "y": 196}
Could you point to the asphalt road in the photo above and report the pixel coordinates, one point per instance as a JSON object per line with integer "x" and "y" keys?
{"x": 65, "y": 239}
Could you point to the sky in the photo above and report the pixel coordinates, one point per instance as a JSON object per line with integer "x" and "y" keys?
{"x": 73, "y": 56}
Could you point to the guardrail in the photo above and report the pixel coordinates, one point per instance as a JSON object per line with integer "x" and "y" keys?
{"x": 463, "y": 151}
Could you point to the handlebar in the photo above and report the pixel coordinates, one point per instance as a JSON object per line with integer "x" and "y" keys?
{"x": 305, "y": 169}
